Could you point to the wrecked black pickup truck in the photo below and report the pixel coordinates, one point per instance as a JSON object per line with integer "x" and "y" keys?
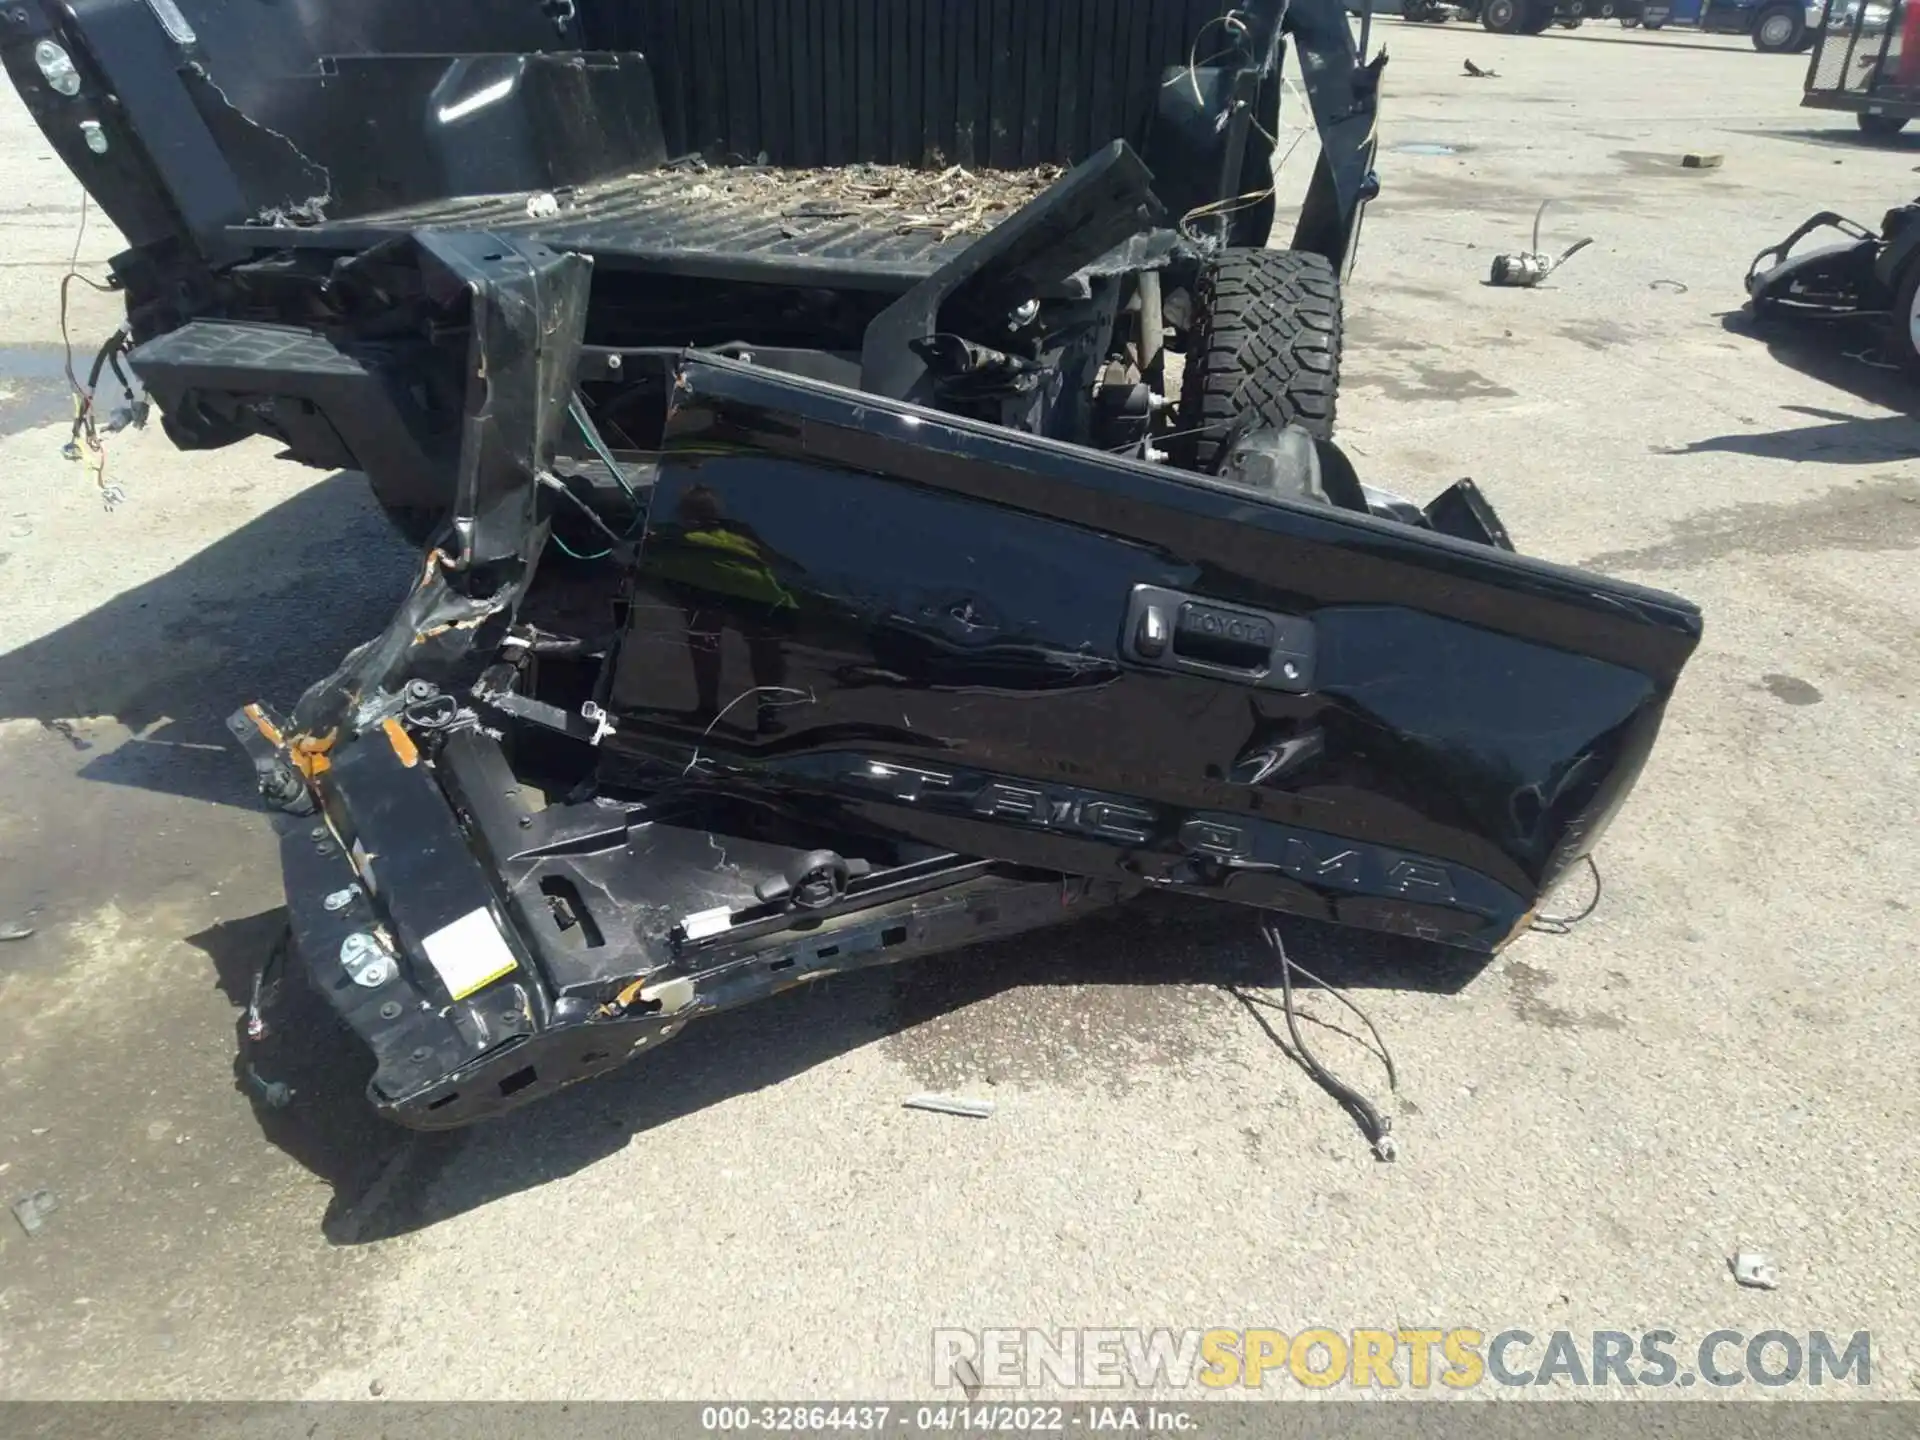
{"x": 875, "y": 488}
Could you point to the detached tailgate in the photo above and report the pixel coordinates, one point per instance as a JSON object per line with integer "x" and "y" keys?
{"x": 1018, "y": 649}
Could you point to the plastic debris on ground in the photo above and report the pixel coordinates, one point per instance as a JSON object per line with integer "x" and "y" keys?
{"x": 32, "y": 1210}
{"x": 1754, "y": 1270}
{"x": 950, "y": 1105}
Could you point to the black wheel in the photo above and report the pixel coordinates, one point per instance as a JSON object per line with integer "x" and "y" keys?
{"x": 1880, "y": 125}
{"x": 1504, "y": 17}
{"x": 1266, "y": 344}
{"x": 1778, "y": 29}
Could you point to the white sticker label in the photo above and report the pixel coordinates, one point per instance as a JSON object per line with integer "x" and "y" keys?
{"x": 469, "y": 954}
{"x": 707, "y": 922}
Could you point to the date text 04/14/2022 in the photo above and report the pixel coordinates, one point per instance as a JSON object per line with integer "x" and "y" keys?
{"x": 942, "y": 1419}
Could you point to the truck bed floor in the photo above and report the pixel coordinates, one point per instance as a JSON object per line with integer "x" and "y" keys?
{"x": 886, "y": 227}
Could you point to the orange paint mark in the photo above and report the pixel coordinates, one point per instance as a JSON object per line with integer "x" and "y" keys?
{"x": 402, "y": 742}
{"x": 265, "y": 726}
{"x": 309, "y": 755}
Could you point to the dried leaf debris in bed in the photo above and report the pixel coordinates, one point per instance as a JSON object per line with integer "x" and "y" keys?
{"x": 953, "y": 201}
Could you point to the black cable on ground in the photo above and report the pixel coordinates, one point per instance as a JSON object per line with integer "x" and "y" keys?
{"x": 1376, "y": 1126}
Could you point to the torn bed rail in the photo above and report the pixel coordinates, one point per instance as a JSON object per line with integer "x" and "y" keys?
{"x": 487, "y": 952}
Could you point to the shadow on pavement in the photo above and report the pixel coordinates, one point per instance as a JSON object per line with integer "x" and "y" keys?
{"x": 1838, "y": 138}
{"x": 1666, "y": 41}
{"x": 1845, "y": 440}
{"x": 262, "y": 612}
{"x": 1844, "y": 354}
{"x": 325, "y": 1123}
{"x": 388, "y": 1182}
{"x": 1618, "y": 35}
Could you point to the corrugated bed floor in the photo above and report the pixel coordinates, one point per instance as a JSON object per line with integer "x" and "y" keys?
{"x": 885, "y": 222}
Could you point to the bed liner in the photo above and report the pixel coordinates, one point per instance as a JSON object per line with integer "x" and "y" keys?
{"x": 888, "y": 225}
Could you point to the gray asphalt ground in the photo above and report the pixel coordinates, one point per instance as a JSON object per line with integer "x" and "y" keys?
{"x": 1724, "y": 1055}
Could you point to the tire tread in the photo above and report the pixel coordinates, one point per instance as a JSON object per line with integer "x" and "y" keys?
{"x": 1267, "y": 340}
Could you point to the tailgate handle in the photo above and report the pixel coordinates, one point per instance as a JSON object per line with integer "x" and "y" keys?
{"x": 1172, "y": 630}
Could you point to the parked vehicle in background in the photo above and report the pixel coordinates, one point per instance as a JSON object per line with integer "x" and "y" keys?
{"x": 1532, "y": 17}
{"x": 1628, "y": 12}
{"x": 1526, "y": 17}
{"x": 1867, "y": 60}
{"x": 1777, "y": 27}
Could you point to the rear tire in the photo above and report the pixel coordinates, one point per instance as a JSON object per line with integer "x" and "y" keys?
{"x": 1779, "y": 29}
{"x": 1504, "y": 17}
{"x": 1265, "y": 343}
{"x": 1881, "y": 126}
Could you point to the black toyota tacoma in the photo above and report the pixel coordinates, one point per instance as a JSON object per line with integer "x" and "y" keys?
{"x": 875, "y": 485}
